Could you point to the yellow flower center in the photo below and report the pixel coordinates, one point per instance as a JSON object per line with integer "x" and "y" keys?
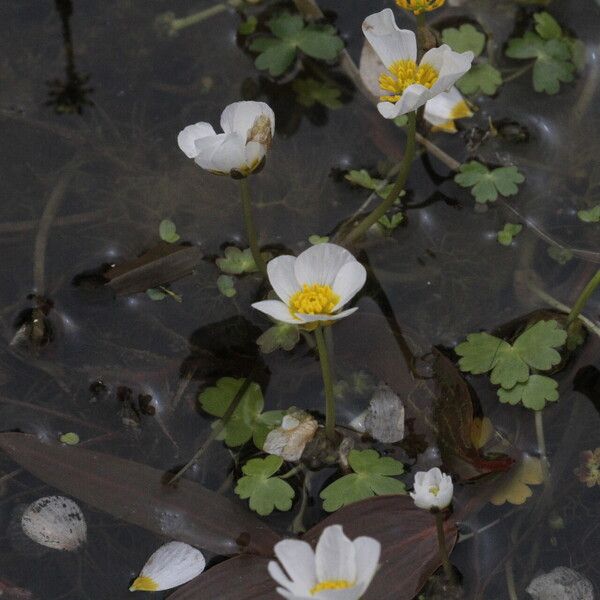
{"x": 144, "y": 584}
{"x": 403, "y": 73}
{"x": 420, "y": 6}
{"x": 314, "y": 299}
{"x": 332, "y": 584}
{"x": 434, "y": 489}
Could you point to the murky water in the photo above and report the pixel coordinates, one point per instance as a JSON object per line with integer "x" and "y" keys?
{"x": 81, "y": 190}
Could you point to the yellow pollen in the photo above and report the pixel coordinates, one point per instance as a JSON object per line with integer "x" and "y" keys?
{"x": 144, "y": 584}
{"x": 420, "y": 6}
{"x": 314, "y": 299}
{"x": 403, "y": 73}
{"x": 461, "y": 110}
{"x": 434, "y": 489}
{"x": 332, "y": 584}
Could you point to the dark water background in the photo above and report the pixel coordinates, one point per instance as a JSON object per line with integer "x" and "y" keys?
{"x": 118, "y": 172}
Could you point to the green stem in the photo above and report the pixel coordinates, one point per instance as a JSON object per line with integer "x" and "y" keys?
{"x": 421, "y": 25}
{"x": 510, "y": 580}
{"x": 291, "y": 472}
{"x": 448, "y": 570}
{"x": 327, "y": 383}
{"x": 250, "y": 228}
{"x": 405, "y": 166}
{"x": 588, "y": 290}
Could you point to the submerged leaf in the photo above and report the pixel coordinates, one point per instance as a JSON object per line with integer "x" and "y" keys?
{"x": 514, "y": 488}
{"x": 590, "y": 216}
{"x": 237, "y": 261}
{"x": 310, "y": 92}
{"x": 280, "y": 335}
{"x": 509, "y": 231}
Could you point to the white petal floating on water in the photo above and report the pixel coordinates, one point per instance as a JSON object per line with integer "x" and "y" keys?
{"x": 561, "y": 583}
{"x": 171, "y": 565}
{"x": 56, "y": 522}
{"x": 385, "y": 417}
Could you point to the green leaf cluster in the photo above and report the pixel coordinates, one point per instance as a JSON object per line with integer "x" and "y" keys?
{"x": 248, "y": 26}
{"x": 561, "y": 255}
{"x": 248, "y": 419}
{"x": 590, "y": 216}
{"x": 373, "y": 476}
{"x": 481, "y": 77}
{"x": 510, "y": 365}
{"x": 168, "y": 231}
{"x": 238, "y": 261}
{"x": 266, "y": 492}
{"x": 390, "y": 223}
{"x": 290, "y": 33}
{"x": 486, "y": 185}
{"x": 557, "y": 56}
{"x": 280, "y": 335}
{"x": 509, "y": 231}
{"x": 311, "y": 91}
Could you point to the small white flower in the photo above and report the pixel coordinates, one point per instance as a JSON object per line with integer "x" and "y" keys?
{"x": 313, "y": 287}
{"x": 339, "y": 569}
{"x": 408, "y": 85}
{"x": 171, "y": 565}
{"x": 248, "y": 129}
{"x": 291, "y": 437}
{"x": 432, "y": 489}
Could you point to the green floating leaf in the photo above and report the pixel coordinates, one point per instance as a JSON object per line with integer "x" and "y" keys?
{"x": 465, "y": 38}
{"x": 248, "y": 26}
{"x": 71, "y": 438}
{"x": 277, "y": 54}
{"x": 280, "y": 335}
{"x": 372, "y": 477}
{"x": 552, "y": 60}
{"x": 590, "y": 216}
{"x": 389, "y": 224}
{"x": 561, "y": 255}
{"x": 168, "y": 231}
{"x": 238, "y": 261}
{"x": 480, "y": 78}
{"x": 508, "y": 364}
{"x": 534, "y": 393}
{"x": 226, "y": 285}
{"x": 266, "y": 493}
{"x": 486, "y": 184}
{"x": 248, "y": 420}
{"x": 318, "y": 239}
{"x": 155, "y": 294}
{"x": 363, "y": 179}
{"x": 310, "y": 92}
{"x": 546, "y": 26}
{"x": 510, "y": 230}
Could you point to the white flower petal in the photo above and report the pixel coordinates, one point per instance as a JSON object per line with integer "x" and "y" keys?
{"x": 171, "y": 565}
{"x": 335, "y": 556}
{"x": 277, "y": 310}
{"x": 348, "y": 282}
{"x": 227, "y": 155}
{"x": 254, "y": 153}
{"x": 187, "y": 137}
{"x": 276, "y": 572}
{"x": 349, "y": 594}
{"x": 426, "y": 498}
{"x": 370, "y": 67}
{"x": 239, "y": 117}
{"x": 414, "y": 96}
{"x": 450, "y": 65}
{"x": 368, "y": 551}
{"x": 313, "y": 318}
{"x": 298, "y": 559}
{"x": 321, "y": 263}
{"x": 388, "y": 41}
{"x": 282, "y": 277}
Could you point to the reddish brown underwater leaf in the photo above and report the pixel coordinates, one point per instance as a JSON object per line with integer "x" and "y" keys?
{"x": 454, "y": 411}
{"x": 135, "y": 493}
{"x": 409, "y": 554}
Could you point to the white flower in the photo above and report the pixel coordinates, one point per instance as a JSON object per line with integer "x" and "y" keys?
{"x": 313, "y": 287}
{"x": 171, "y": 565}
{"x": 340, "y": 569}
{"x": 446, "y": 108}
{"x": 408, "y": 85}
{"x": 432, "y": 489}
{"x": 290, "y": 438}
{"x": 248, "y": 131}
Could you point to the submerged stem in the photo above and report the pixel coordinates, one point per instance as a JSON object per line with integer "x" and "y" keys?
{"x": 405, "y": 166}
{"x": 327, "y": 383}
{"x": 250, "y": 227}
{"x": 585, "y": 295}
{"x": 541, "y": 441}
{"x": 448, "y": 570}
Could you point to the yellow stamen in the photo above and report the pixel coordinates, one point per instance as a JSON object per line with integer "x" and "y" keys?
{"x": 332, "y": 584}
{"x": 434, "y": 489}
{"x": 420, "y": 6}
{"x": 314, "y": 299}
{"x": 144, "y": 584}
{"x": 404, "y": 73}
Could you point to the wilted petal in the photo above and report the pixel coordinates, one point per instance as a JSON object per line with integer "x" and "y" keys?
{"x": 389, "y": 42}
{"x": 239, "y": 117}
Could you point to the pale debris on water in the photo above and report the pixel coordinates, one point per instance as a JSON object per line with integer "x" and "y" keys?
{"x": 290, "y": 438}
{"x": 384, "y": 419}
{"x": 561, "y": 584}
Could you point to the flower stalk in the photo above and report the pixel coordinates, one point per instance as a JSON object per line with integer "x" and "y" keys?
{"x": 448, "y": 570}
{"x": 327, "y": 383}
{"x": 394, "y": 194}
{"x": 421, "y": 25}
{"x": 585, "y": 295}
{"x": 250, "y": 227}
